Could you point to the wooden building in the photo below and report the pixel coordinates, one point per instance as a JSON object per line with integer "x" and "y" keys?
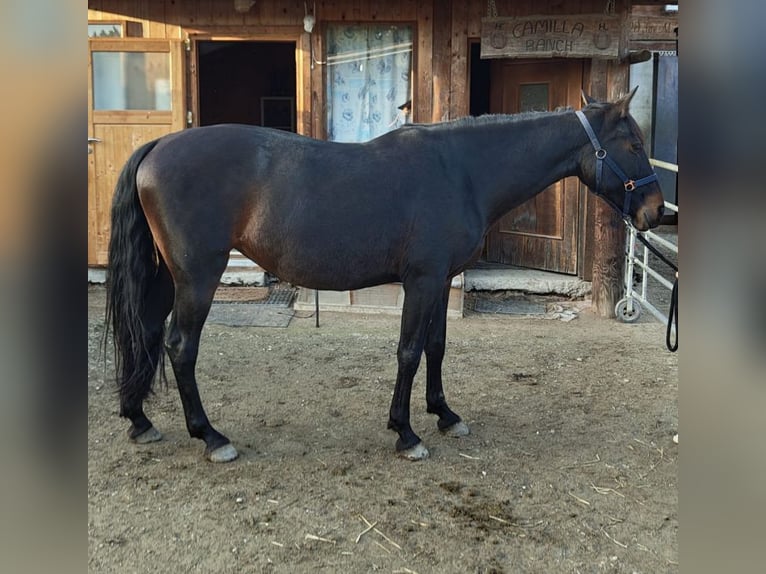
{"x": 157, "y": 66}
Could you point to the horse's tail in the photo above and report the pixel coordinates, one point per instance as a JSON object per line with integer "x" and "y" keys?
{"x": 133, "y": 265}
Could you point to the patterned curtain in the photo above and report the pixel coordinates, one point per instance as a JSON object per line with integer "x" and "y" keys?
{"x": 368, "y": 78}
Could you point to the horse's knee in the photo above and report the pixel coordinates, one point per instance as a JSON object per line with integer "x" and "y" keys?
{"x": 408, "y": 358}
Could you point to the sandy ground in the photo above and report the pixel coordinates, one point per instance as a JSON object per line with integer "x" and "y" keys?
{"x": 570, "y": 466}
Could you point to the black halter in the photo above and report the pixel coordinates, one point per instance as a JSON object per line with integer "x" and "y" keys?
{"x": 601, "y": 157}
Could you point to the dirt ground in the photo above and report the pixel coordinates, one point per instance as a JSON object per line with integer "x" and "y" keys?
{"x": 570, "y": 466}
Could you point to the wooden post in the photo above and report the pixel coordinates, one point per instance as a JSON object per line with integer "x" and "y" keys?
{"x": 609, "y": 80}
{"x": 441, "y": 60}
{"x": 608, "y": 259}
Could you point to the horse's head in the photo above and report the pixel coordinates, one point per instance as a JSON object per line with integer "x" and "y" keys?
{"x": 614, "y": 164}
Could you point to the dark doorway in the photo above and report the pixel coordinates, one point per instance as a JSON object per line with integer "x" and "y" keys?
{"x": 479, "y": 81}
{"x": 247, "y": 83}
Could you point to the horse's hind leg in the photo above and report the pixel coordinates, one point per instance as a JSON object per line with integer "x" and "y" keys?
{"x": 157, "y": 305}
{"x": 192, "y": 304}
{"x": 449, "y": 422}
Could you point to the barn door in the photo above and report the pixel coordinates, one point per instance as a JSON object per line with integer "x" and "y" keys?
{"x": 135, "y": 94}
{"x": 542, "y": 233}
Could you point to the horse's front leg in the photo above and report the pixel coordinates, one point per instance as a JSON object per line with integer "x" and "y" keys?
{"x": 449, "y": 422}
{"x": 420, "y": 300}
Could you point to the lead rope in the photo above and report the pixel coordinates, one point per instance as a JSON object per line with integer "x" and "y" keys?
{"x": 673, "y": 317}
{"x": 673, "y": 311}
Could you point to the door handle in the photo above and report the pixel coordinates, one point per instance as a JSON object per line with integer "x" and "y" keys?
{"x": 93, "y": 140}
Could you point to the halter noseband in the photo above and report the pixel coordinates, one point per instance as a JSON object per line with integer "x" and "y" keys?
{"x": 602, "y": 156}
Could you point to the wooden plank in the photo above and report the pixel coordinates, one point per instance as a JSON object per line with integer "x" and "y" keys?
{"x": 459, "y": 58}
{"x": 177, "y": 83}
{"x": 144, "y": 117}
{"x": 175, "y": 14}
{"x": 440, "y": 62}
{"x": 250, "y": 33}
{"x": 317, "y": 92}
{"x": 203, "y": 10}
{"x": 545, "y": 36}
{"x": 303, "y": 84}
{"x": 423, "y": 57}
{"x": 130, "y": 45}
{"x": 153, "y": 15}
{"x": 476, "y": 11}
{"x": 356, "y": 12}
{"x": 409, "y": 9}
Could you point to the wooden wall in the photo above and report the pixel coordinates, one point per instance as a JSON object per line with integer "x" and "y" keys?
{"x": 444, "y": 29}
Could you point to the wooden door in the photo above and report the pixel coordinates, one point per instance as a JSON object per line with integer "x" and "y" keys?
{"x": 135, "y": 94}
{"x": 543, "y": 232}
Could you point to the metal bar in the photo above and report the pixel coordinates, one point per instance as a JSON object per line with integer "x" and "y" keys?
{"x": 671, "y": 206}
{"x": 654, "y": 274}
{"x": 664, "y": 242}
{"x": 663, "y": 164}
{"x": 629, "y": 271}
{"x": 654, "y": 311}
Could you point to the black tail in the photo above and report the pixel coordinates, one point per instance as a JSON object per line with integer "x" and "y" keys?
{"x": 133, "y": 266}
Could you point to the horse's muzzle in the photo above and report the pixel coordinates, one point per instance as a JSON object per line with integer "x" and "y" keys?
{"x": 650, "y": 213}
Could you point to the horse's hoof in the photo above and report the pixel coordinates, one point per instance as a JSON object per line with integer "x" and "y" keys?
{"x": 149, "y": 435}
{"x": 225, "y": 453}
{"x": 417, "y": 452}
{"x": 457, "y": 430}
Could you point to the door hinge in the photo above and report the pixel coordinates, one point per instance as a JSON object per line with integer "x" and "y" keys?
{"x": 189, "y": 118}
{"x": 187, "y": 44}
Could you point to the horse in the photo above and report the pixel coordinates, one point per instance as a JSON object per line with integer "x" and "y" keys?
{"x": 410, "y": 206}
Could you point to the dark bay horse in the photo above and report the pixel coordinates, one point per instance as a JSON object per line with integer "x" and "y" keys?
{"x": 412, "y": 205}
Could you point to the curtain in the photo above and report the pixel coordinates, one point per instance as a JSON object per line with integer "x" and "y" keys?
{"x": 368, "y": 78}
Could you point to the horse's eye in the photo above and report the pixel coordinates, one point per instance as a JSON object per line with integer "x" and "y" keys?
{"x": 637, "y": 146}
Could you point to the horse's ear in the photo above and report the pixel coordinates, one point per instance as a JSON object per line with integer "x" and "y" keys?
{"x": 586, "y": 99}
{"x": 624, "y": 103}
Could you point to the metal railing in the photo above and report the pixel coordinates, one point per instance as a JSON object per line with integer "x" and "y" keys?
{"x": 629, "y": 308}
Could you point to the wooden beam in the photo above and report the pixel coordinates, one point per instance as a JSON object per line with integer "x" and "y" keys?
{"x": 609, "y": 80}
{"x": 608, "y": 259}
{"x": 441, "y": 68}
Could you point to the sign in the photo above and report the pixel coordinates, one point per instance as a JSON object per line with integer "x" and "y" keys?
{"x": 575, "y": 36}
{"x": 653, "y": 27}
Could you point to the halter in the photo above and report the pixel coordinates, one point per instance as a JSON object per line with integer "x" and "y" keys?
{"x": 601, "y": 157}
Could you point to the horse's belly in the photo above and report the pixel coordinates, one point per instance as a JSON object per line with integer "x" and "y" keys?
{"x": 333, "y": 275}
{"x": 316, "y": 267}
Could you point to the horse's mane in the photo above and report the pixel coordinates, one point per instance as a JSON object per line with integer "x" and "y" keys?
{"x": 496, "y": 119}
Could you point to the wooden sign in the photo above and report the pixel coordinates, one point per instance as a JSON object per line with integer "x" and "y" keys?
{"x": 567, "y": 36}
{"x": 653, "y": 27}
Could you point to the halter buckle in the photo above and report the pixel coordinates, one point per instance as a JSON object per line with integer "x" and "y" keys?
{"x": 600, "y": 153}
{"x": 630, "y": 185}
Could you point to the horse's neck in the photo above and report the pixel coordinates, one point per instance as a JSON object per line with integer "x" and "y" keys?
{"x": 528, "y": 156}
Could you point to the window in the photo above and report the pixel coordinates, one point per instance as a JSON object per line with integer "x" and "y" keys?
{"x": 106, "y": 30}
{"x": 533, "y": 98}
{"x": 131, "y": 81}
{"x": 368, "y": 78}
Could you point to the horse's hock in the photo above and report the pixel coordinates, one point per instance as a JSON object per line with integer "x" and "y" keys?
{"x": 388, "y": 298}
